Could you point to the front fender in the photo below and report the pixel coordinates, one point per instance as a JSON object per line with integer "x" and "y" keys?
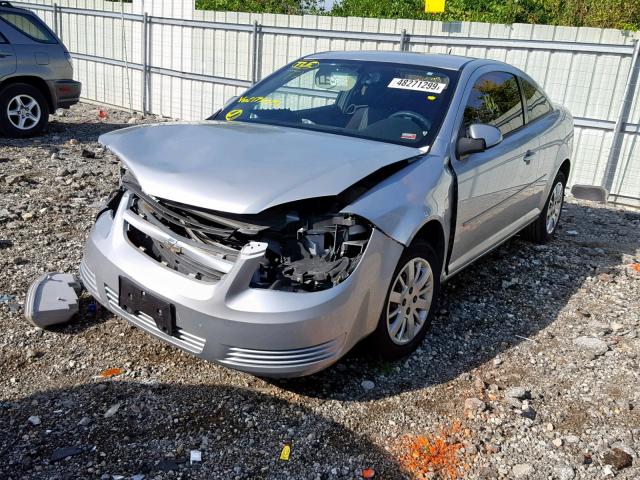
{"x": 403, "y": 203}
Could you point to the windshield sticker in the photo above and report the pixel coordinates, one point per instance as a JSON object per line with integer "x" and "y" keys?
{"x": 233, "y": 114}
{"x": 305, "y": 64}
{"x": 408, "y": 136}
{"x": 417, "y": 85}
{"x": 261, "y": 100}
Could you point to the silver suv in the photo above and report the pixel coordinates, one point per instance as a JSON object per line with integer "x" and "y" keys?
{"x": 35, "y": 73}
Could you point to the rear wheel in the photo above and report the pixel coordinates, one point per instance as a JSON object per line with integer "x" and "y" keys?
{"x": 410, "y": 303}
{"x": 23, "y": 110}
{"x": 542, "y": 230}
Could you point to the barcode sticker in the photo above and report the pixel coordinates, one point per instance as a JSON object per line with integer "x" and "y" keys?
{"x": 417, "y": 85}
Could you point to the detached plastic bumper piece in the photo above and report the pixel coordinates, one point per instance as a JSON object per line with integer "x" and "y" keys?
{"x": 52, "y": 299}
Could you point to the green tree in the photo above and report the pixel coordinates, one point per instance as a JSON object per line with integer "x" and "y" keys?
{"x": 622, "y": 14}
{"x": 290, "y": 7}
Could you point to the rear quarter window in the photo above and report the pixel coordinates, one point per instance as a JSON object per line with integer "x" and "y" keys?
{"x": 29, "y": 26}
{"x": 538, "y": 104}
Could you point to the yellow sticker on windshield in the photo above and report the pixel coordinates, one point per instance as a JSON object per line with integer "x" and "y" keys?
{"x": 262, "y": 100}
{"x": 233, "y": 114}
{"x": 305, "y": 64}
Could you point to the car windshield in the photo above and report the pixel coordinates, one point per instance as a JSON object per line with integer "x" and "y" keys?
{"x": 403, "y": 104}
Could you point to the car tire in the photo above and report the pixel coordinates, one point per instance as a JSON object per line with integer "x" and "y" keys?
{"x": 542, "y": 230}
{"x": 31, "y": 110}
{"x": 412, "y": 304}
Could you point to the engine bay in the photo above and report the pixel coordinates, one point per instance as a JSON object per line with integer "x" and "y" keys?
{"x": 308, "y": 250}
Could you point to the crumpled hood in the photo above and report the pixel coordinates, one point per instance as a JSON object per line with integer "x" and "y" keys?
{"x": 239, "y": 167}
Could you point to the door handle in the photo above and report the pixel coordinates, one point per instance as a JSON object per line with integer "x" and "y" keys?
{"x": 528, "y": 156}
{"x": 3, "y": 55}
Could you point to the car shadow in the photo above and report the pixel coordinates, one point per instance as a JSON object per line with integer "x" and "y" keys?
{"x": 502, "y": 300}
{"x": 156, "y": 425}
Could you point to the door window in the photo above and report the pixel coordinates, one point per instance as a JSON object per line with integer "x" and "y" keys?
{"x": 495, "y": 99}
{"x": 537, "y": 102}
{"x": 29, "y": 26}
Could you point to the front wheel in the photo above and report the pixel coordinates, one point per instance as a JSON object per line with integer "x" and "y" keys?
{"x": 410, "y": 303}
{"x": 542, "y": 230}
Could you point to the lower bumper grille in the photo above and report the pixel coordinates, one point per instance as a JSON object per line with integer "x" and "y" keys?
{"x": 88, "y": 279}
{"x": 250, "y": 358}
{"x": 182, "y": 339}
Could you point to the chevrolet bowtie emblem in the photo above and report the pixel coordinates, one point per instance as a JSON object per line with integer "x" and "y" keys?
{"x": 171, "y": 244}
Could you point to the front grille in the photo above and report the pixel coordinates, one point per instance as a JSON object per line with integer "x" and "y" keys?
{"x": 157, "y": 233}
{"x": 183, "y": 339}
{"x": 251, "y": 358}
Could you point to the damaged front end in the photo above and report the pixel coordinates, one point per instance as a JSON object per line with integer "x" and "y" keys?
{"x": 308, "y": 246}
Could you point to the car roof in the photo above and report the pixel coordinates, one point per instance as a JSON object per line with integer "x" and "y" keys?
{"x": 447, "y": 62}
{"x": 7, "y": 7}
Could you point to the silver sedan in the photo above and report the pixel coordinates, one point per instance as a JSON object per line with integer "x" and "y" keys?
{"x": 326, "y": 204}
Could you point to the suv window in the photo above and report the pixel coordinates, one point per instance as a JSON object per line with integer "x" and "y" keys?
{"x": 537, "y": 103}
{"x": 495, "y": 99}
{"x": 29, "y": 26}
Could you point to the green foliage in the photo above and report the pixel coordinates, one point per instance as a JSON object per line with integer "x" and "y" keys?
{"x": 622, "y": 14}
{"x": 290, "y": 7}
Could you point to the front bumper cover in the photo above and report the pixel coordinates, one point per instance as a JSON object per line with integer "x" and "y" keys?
{"x": 265, "y": 332}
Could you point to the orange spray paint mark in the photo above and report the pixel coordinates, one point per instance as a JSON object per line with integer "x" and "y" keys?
{"x": 421, "y": 455}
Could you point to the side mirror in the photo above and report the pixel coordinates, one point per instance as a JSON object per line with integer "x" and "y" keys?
{"x": 491, "y": 135}
{"x": 481, "y": 136}
{"x": 467, "y": 146}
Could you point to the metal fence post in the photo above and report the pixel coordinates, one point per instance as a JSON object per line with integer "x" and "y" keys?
{"x": 618, "y": 133}
{"x": 145, "y": 63}
{"x": 254, "y": 52}
{"x": 55, "y": 18}
{"x": 59, "y": 16}
{"x": 404, "y": 39}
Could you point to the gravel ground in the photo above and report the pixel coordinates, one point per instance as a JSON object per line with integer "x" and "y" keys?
{"x": 530, "y": 370}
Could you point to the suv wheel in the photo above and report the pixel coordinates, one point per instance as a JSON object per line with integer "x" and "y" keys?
{"x": 410, "y": 303}
{"x": 545, "y": 225}
{"x": 23, "y": 110}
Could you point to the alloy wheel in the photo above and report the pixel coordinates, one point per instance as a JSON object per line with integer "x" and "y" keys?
{"x": 409, "y": 301}
{"x": 554, "y": 207}
{"x": 24, "y": 112}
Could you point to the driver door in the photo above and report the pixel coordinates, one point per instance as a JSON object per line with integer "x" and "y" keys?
{"x": 495, "y": 196}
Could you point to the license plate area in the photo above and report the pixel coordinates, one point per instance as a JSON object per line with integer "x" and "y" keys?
{"x": 135, "y": 300}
